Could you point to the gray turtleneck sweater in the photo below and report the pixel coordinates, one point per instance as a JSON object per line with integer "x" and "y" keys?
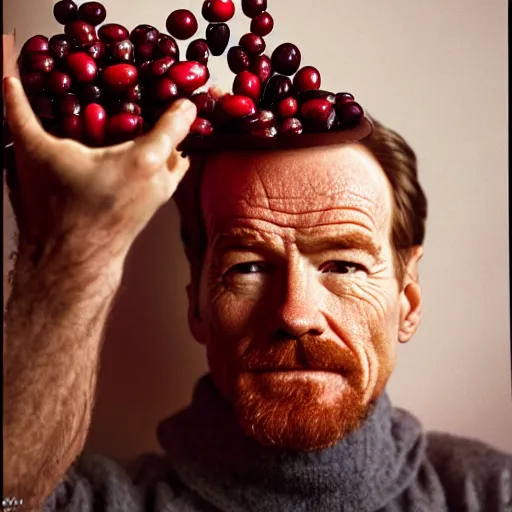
{"x": 389, "y": 464}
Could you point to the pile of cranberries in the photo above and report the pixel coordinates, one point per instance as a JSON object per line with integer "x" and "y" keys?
{"x": 108, "y": 85}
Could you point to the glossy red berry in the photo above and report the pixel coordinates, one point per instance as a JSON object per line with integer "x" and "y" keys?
{"x": 247, "y": 84}
{"x": 59, "y": 83}
{"x": 121, "y": 51}
{"x": 238, "y": 60}
{"x": 97, "y": 51}
{"x": 80, "y": 33}
{"x": 120, "y": 77}
{"x": 288, "y": 107}
{"x": 253, "y": 8}
{"x": 181, "y": 24}
{"x": 94, "y": 124}
{"x": 290, "y": 126}
{"x": 38, "y": 61}
{"x": 262, "y": 25}
{"x": 36, "y": 44}
{"x": 90, "y": 93}
{"x": 349, "y": 115}
{"x": 33, "y": 82}
{"x": 166, "y": 46}
{"x": 93, "y": 13}
{"x": 72, "y": 127}
{"x": 318, "y": 114}
{"x": 123, "y": 127}
{"x": 198, "y": 50}
{"x": 82, "y": 67}
{"x": 218, "y": 11}
{"x": 258, "y": 122}
{"x": 277, "y": 88}
{"x": 204, "y": 103}
{"x": 262, "y": 67}
{"x": 286, "y": 59}
{"x": 307, "y": 78}
{"x": 189, "y": 76}
{"x": 166, "y": 90}
{"x": 252, "y": 44}
{"x": 236, "y": 106}
{"x": 201, "y": 126}
{"x": 160, "y": 67}
{"x": 112, "y": 32}
{"x": 217, "y": 36}
{"x": 144, "y": 34}
{"x": 343, "y": 97}
{"x": 68, "y": 105}
{"x": 60, "y": 47}
{"x": 65, "y": 11}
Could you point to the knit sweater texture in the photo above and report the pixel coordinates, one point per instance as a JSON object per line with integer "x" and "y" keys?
{"x": 389, "y": 464}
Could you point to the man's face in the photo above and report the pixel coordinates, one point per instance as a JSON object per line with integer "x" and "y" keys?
{"x": 298, "y": 306}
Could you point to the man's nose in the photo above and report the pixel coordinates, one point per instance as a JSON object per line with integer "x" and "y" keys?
{"x": 299, "y": 310}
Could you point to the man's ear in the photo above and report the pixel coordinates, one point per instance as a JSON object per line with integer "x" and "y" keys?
{"x": 195, "y": 322}
{"x": 410, "y": 298}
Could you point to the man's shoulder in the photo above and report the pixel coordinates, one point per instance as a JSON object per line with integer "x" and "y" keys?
{"x": 471, "y": 469}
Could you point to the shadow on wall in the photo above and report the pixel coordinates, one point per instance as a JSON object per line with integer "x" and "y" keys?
{"x": 150, "y": 361}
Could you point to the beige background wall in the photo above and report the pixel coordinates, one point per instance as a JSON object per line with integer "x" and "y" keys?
{"x": 437, "y": 72}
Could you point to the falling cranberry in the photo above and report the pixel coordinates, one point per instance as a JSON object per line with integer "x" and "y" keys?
{"x": 237, "y": 106}
{"x": 160, "y": 67}
{"x": 290, "y": 126}
{"x": 68, "y": 105}
{"x": 262, "y": 25}
{"x": 144, "y": 34}
{"x": 94, "y": 124}
{"x": 121, "y": 51}
{"x": 81, "y": 33}
{"x": 217, "y": 36}
{"x": 253, "y": 8}
{"x": 120, "y": 77}
{"x": 144, "y": 52}
{"x": 166, "y": 90}
{"x": 252, "y": 44}
{"x": 34, "y": 82}
{"x": 93, "y": 13}
{"x": 36, "y": 44}
{"x": 65, "y": 11}
{"x": 343, "y": 97}
{"x": 247, "y": 84}
{"x": 257, "y": 122}
{"x": 98, "y": 52}
{"x": 307, "y": 78}
{"x": 123, "y": 127}
{"x": 286, "y": 59}
{"x": 288, "y": 107}
{"x": 72, "y": 127}
{"x": 112, "y": 32}
{"x": 201, "y": 126}
{"x": 238, "y": 60}
{"x": 277, "y": 88}
{"x": 82, "y": 67}
{"x": 198, "y": 50}
{"x": 349, "y": 115}
{"x": 182, "y": 24}
{"x": 38, "y": 61}
{"x": 60, "y": 47}
{"x": 262, "y": 67}
{"x": 90, "y": 93}
{"x": 59, "y": 83}
{"x": 319, "y": 114}
{"x": 166, "y": 46}
{"x": 218, "y": 11}
{"x": 189, "y": 76}
{"x": 204, "y": 103}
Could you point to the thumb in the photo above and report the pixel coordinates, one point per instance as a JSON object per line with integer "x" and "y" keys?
{"x": 156, "y": 147}
{"x": 22, "y": 121}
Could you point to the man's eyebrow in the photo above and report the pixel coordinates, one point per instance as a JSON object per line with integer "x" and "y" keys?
{"x": 343, "y": 241}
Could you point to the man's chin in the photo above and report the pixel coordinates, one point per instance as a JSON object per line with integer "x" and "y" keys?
{"x": 299, "y": 410}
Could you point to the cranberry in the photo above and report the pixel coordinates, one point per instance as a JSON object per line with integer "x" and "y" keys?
{"x": 112, "y": 32}
{"x": 181, "y": 24}
{"x": 166, "y": 90}
{"x": 262, "y": 25}
{"x": 218, "y": 11}
{"x": 38, "y": 61}
{"x": 343, "y": 97}
{"x": 201, "y": 126}
{"x": 94, "y": 124}
{"x": 198, "y": 50}
{"x": 97, "y": 51}
{"x": 290, "y": 126}
{"x": 82, "y": 67}
{"x": 349, "y": 115}
{"x": 277, "y": 88}
{"x": 189, "y": 75}
{"x": 144, "y": 51}
{"x": 217, "y": 35}
{"x": 43, "y": 106}
{"x": 253, "y": 8}
{"x": 72, "y": 127}
{"x": 65, "y": 11}
{"x": 144, "y": 34}
{"x": 238, "y": 60}
{"x": 317, "y": 94}
{"x": 237, "y": 106}
{"x": 93, "y": 13}
{"x": 145, "y": 71}
{"x": 205, "y": 104}
{"x": 90, "y": 93}
{"x": 161, "y": 66}
{"x": 134, "y": 94}
{"x": 247, "y": 84}
{"x": 33, "y": 82}
{"x": 121, "y": 51}
{"x": 60, "y": 46}
{"x": 286, "y": 59}
{"x": 120, "y": 77}
{"x": 262, "y": 67}
{"x": 288, "y": 107}
{"x": 119, "y": 106}
{"x": 257, "y": 122}
{"x": 59, "y": 83}
{"x": 36, "y": 44}
{"x": 166, "y": 46}
{"x": 252, "y": 44}
{"x": 319, "y": 114}
{"x": 68, "y": 105}
{"x": 123, "y": 127}
{"x": 307, "y": 78}
{"x": 81, "y": 33}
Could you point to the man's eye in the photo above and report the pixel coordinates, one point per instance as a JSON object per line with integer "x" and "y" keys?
{"x": 247, "y": 268}
{"x": 342, "y": 267}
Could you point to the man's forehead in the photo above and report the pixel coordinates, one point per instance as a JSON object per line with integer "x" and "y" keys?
{"x": 294, "y": 182}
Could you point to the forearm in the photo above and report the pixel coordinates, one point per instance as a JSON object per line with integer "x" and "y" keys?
{"x": 53, "y": 329}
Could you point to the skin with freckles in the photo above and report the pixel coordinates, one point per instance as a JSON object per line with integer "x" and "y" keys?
{"x": 299, "y": 306}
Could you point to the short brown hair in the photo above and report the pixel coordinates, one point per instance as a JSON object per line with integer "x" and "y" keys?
{"x": 399, "y": 163}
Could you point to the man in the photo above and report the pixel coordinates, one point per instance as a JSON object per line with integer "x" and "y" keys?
{"x": 303, "y": 281}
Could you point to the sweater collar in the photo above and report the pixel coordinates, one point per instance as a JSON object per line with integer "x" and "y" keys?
{"x": 213, "y": 457}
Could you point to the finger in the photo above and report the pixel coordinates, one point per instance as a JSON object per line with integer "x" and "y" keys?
{"x": 178, "y": 166}
{"x": 155, "y": 148}
{"x": 23, "y": 124}
{"x": 215, "y": 92}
